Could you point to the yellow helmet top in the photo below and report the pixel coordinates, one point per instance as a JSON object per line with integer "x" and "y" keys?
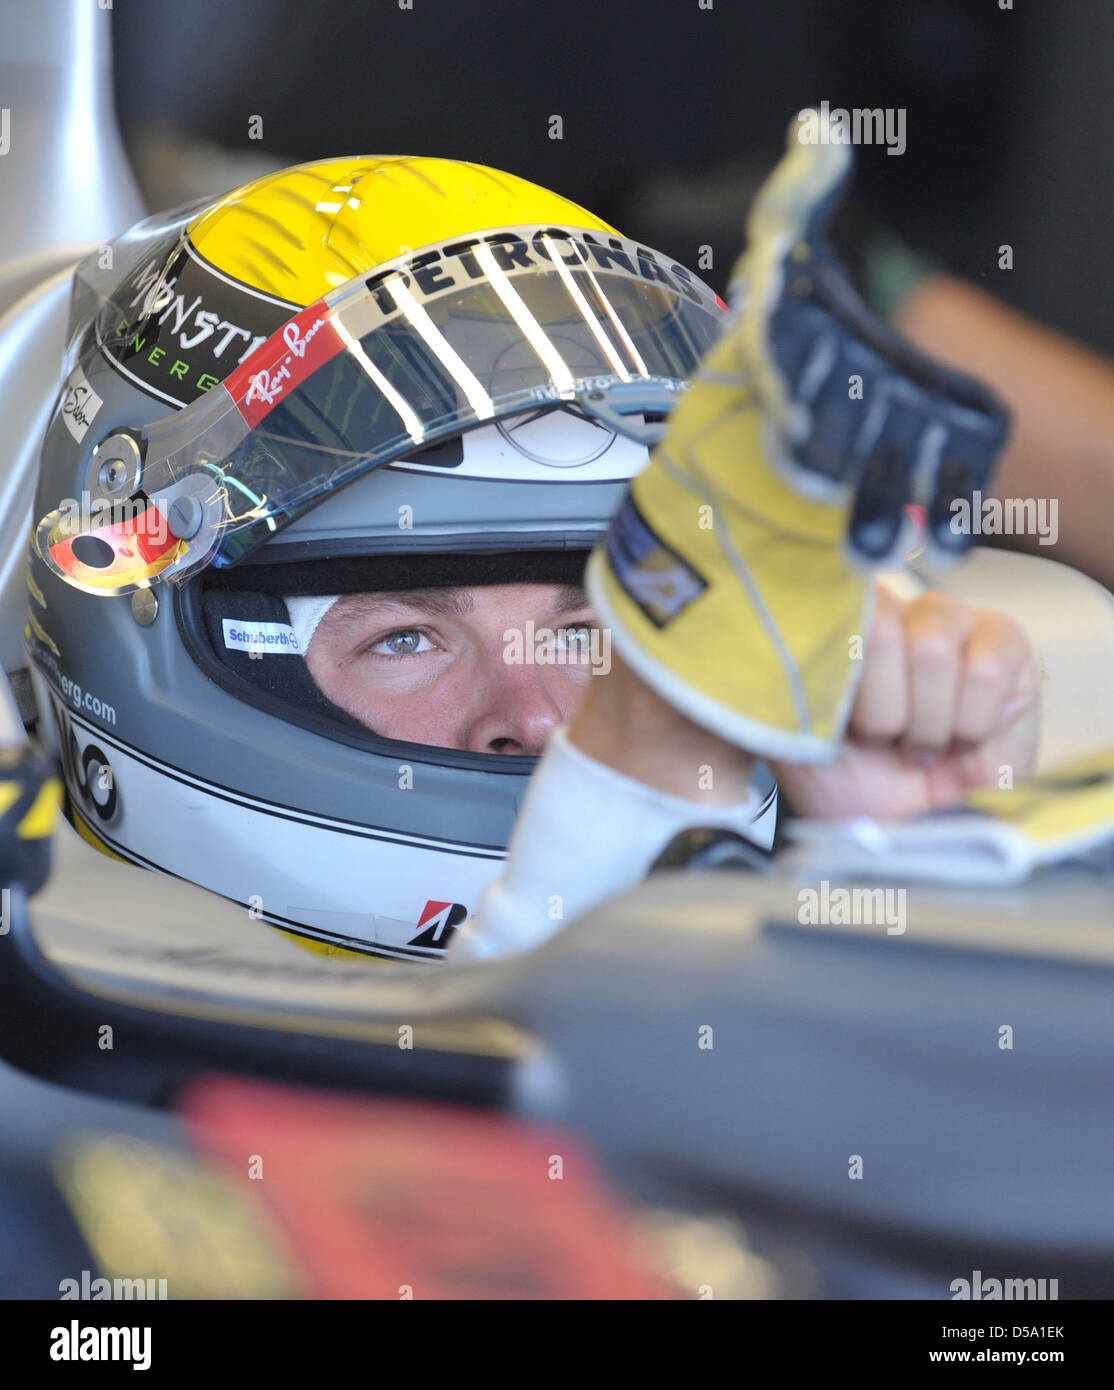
{"x": 302, "y": 231}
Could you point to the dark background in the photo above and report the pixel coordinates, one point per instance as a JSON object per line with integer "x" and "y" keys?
{"x": 671, "y": 113}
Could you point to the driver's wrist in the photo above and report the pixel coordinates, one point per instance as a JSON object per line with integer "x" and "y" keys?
{"x": 626, "y": 725}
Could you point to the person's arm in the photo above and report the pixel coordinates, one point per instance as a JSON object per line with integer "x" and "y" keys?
{"x": 1062, "y": 398}
{"x": 737, "y": 583}
{"x": 948, "y": 696}
{"x": 624, "y": 724}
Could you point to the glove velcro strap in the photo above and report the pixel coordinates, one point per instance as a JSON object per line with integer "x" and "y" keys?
{"x": 877, "y": 416}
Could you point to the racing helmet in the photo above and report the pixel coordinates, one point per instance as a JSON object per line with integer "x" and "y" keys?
{"x": 355, "y": 374}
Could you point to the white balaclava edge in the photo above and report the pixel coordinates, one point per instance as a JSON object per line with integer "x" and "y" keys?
{"x": 305, "y": 614}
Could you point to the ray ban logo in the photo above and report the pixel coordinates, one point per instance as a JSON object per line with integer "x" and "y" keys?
{"x": 582, "y": 645}
{"x": 268, "y": 385}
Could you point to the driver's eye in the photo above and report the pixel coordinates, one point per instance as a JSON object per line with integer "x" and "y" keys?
{"x": 576, "y": 640}
{"x": 405, "y": 641}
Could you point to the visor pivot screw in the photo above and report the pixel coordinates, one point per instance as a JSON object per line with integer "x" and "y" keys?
{"x": 145, "y": 607}
{"x": 112, "y": 474}
{"x": 184, "y": 517}
{"x": 116, "y": 465}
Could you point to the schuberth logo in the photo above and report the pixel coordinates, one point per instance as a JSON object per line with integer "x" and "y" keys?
{"x": 437, "y": 923}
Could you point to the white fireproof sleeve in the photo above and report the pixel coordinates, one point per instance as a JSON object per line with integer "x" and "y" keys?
{"x": 585, "y": 833}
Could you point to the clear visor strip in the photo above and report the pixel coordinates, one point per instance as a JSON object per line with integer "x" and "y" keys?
{"x": 195, "y": 442}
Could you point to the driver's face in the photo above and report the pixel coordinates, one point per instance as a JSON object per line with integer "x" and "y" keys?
{"x": 431, "y": 665}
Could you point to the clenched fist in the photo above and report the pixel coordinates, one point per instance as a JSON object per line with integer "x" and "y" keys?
{"x": 949, "y": 700}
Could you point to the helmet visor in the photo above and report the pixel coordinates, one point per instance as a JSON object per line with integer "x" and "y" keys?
{"x": 428, "y": 346}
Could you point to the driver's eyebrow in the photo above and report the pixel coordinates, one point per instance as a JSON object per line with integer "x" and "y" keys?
{"x": 573, "y": 596}
{"x": 443, "y": 602}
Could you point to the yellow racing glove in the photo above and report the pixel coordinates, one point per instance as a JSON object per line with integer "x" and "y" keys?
{"x": 736, "y": 578}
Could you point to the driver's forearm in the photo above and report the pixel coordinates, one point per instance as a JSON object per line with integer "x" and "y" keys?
{"x": 1062, "y": 398}
{"x": 624, "y": 724}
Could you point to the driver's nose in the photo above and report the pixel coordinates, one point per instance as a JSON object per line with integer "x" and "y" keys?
{"x": 517, "y": 712}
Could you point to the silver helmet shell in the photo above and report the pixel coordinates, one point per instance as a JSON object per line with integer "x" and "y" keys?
{"x": 203, "y": 763}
